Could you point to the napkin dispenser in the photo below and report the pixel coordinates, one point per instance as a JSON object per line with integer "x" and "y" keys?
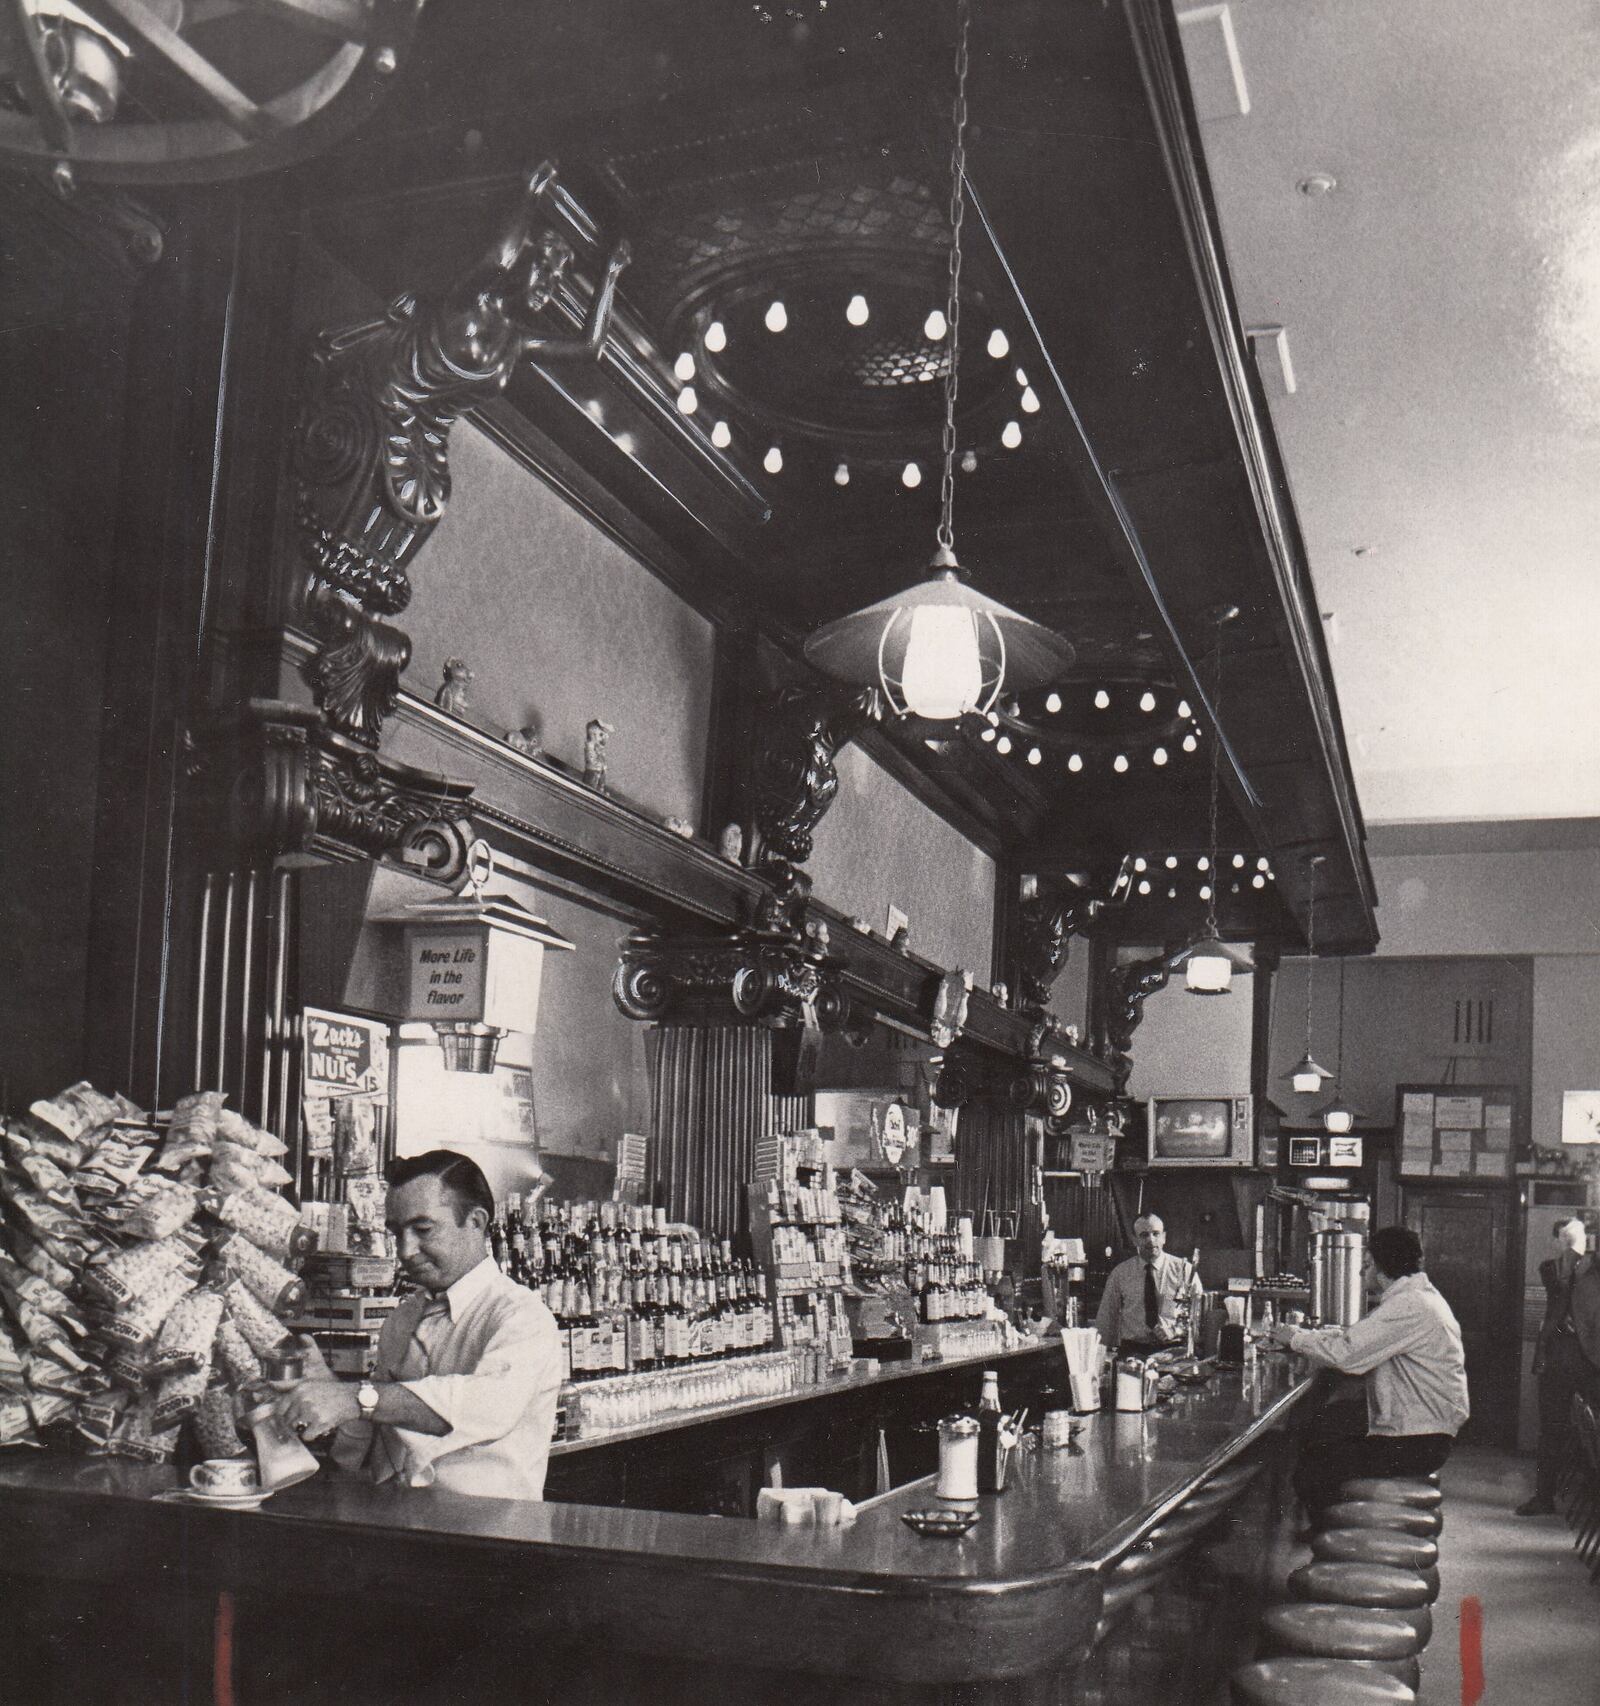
{"x": 1137, "y": 1384}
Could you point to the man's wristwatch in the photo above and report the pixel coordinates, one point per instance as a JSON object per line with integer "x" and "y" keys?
{"x": 367, "y": 1400}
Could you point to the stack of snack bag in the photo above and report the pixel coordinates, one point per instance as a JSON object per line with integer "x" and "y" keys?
{"x": 143, "y": 1266}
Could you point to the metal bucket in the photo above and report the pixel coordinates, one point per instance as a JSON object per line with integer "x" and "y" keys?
{"x": 1338, "y": 1293}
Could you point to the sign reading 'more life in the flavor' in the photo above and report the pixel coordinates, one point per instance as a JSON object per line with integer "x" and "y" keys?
{"x": 446, "y": 976}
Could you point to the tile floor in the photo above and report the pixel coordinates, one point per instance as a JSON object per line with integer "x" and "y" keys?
{"x": 1540, "y": 1615}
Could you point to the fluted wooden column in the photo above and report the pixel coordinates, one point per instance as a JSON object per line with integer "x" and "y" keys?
{"x": 711, "y": 1098}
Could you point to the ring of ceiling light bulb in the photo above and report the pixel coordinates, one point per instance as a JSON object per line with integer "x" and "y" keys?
{"x": 1030, "y": 719}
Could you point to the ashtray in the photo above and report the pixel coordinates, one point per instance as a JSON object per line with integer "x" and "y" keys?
{"x": 947, "y": 1524}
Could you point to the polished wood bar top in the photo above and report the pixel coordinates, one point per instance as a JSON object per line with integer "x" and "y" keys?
{"x": 1020, "y": 1593}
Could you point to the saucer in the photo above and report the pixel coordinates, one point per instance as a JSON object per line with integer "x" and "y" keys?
{"x": 237, "y": 1501}
{"x": 944, "y": 1524}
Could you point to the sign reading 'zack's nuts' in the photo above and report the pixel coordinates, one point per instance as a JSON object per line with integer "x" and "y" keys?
{"x": 446, "y": 976}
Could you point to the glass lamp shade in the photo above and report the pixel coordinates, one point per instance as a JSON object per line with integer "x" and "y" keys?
{"x": 1209, "y": 964}
{"x": 1337, "y": 1119}
{"x": 1308, "y": 1077}
{"x": 939, "y": 649}
{"x": 1208, "y": 974}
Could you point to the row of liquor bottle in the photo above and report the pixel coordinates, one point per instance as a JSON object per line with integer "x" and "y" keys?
{"x": 631, "y": 1294}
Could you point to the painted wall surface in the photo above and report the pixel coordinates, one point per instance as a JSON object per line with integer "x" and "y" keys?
{"x": 1399, "y": 1028}
{"x": 879, "y": 845}
{"x": 1545, "y": 902}
{"x": 1193, "y": 1042}
{"x": 559, "y": 624}
{"x": 1566, "y": 1036}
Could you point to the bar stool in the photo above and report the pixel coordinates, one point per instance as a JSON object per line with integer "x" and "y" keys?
{"x": 1373, "y": 1513}
{"x": 1378, "y": 1546}
{"x": 1324, "y": 1682}
{"x": 1395, "y": 1490}
{"x": 1380, "y": 1640}
{"x": 1378, "y": 1585}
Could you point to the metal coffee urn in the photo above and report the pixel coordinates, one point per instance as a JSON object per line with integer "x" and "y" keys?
{"x": 1337, "y": 1293}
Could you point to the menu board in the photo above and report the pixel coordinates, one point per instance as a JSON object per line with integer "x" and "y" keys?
{"x": 1455, "y": 1131}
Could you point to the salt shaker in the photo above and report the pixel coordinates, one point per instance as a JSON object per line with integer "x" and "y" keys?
{"x": 958, "y": 1459}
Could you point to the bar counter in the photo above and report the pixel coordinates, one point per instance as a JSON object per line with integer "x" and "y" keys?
{"x": 873, "y": 1611}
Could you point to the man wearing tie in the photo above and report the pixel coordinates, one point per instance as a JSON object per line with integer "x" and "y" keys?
{"x": 1559, "y": 1363}
{"x": 463, "y": 1388}
{"x": 1139, "y": 1312}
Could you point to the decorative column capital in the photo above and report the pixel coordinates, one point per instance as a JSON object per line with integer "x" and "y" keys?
{"x": 278, "y": 780}
{"x": 748, "y": 976}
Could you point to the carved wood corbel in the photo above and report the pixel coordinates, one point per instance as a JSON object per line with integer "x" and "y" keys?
{"x": 280, "y": 781}
{"x": 372, "y": 442}
{"x": 748, "y": 976}
{"x": 1046, "y": 926}
{"x": 1128, "y": 988}
{"x": 1024, "y": 1087}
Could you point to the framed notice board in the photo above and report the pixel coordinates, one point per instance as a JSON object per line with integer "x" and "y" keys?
{"x": 1465, "y": 1132}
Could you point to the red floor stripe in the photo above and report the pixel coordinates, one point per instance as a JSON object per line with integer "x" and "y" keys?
{"x": 222, "y": 1653}
{"x": 1471, "y": 1650}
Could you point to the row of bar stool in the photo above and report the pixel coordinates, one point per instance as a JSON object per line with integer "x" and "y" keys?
{"x": 1361, "y": 1610}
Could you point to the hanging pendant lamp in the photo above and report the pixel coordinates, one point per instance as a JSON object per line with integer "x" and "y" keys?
{"x": 940, "y": 649}
{"x": 1208, "y": 962}
{"x": 1307, "y": 1077}
{"x": 1338, "y": 1117}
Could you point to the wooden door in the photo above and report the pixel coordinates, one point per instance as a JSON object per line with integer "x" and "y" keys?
{"x": 1467, "y": 1251}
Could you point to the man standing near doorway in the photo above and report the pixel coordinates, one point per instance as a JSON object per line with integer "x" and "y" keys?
{"x": 1139, "y": 1312}
{"x": 1559, "y": 1363}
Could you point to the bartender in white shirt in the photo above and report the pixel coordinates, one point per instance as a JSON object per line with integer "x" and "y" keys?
{"x": 463, "y": 1388}
{"x": 1139, "y": 1310}
{"x": 1409, "y": 1349}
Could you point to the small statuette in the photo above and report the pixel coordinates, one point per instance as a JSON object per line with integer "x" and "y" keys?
{"x": 901, "y": 939}
{"x": 950, "y": 1007}
{"x": 596, "y": 736}
{"x": 730, "y": 844}
{"x": 452, "y": 694}
{"x": 526, "y": 741}
{"x": 861, "y": 926}
{"x": 817, "y": 931}
{"x": 1073, "y": 1035}
{"x": 1001, "y": 994}
{"x": 678, "y": 826}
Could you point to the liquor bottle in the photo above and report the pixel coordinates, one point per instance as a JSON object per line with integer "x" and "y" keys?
{"x": 497, "y": 1245}
{"x": 989, "y": 1434}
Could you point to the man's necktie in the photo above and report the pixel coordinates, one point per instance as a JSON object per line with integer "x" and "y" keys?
{"x": 1152, "y": 1300}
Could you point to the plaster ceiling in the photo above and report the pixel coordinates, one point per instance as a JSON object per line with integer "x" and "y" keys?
{"x": 1441, "y": 306}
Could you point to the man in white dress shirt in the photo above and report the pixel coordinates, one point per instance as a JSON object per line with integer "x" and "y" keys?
{"x": 463, "y": 1388}
{"x": 1139, "y": 1311}
{"x": 1409, "y": 1349}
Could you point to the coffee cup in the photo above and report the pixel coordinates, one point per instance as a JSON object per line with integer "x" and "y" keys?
{"x": 1057, "y": 1430}
{"x": 225, "y": 1476}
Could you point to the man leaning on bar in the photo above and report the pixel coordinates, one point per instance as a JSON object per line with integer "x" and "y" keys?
{"x": 463, "y": 1389}
{"x": 1139, "y": 1312}
{"x": 1409, "y": 1349}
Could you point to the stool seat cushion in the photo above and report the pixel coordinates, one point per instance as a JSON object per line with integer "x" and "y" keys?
{"x": 1360, "y": 1584}
{"x": 1375, "y": 1513}
{"x": 1297, "y": 1681}
{"x": 1376, "y": 1546}
{"x": 1340, "y": 1632}
{"x": 1394, "y": 1490}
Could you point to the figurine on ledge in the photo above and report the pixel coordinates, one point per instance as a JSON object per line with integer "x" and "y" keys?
{"x": 452, "y": 694}
{"x": 596, "y": 737}
{"x": 526, "y": 740}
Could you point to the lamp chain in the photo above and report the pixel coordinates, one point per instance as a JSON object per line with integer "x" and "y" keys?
{"x": 1216, "y": 767}
{"x": 958, "y": 208}
{"x": 1311, "y": 948}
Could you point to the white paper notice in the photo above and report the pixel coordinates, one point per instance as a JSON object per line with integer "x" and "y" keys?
{"x": 1458, "y": 1111}
{"x": 1418, "y": 1102}
{"x": 1491, "y": 1163}
{"x": 1497, "y": 1116}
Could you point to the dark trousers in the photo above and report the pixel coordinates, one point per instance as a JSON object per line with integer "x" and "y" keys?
{"x": 1566, "y": 1371}
{"x": 1327, "y": 1460}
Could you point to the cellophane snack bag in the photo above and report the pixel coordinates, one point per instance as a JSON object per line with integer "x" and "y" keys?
{"x": 112, "y": 1338}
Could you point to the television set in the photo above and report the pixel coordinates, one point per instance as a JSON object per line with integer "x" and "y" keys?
{"x": 1200, "y": 1131}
